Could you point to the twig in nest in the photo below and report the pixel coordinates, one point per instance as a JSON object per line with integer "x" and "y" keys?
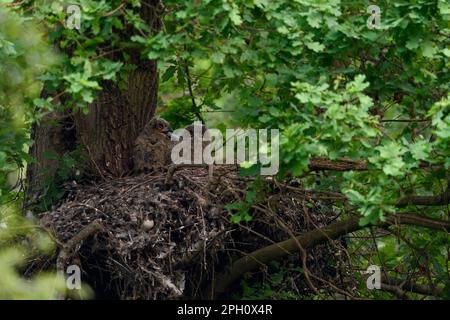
{"x": 67, "y": 249}
{"x": 175, "y": 167}
{"x": 92, "y": 208}
{"x": 165, "y": 282}
{"x": 198, "y": 248}
{"x": 152, "y": 178}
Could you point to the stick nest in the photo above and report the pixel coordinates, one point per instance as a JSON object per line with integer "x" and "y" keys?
{"x": 160, "y": 236}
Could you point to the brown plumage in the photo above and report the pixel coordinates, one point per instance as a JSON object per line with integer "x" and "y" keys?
{"x": 153, "y": 146}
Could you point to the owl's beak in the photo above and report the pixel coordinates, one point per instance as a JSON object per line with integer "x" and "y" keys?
{"x": 167, "y": 132}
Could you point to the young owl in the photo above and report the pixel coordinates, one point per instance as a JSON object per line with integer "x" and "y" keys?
{"x": 153, "y": 146}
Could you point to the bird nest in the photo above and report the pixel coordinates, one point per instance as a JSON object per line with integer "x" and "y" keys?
{"x": 166, "y": 234}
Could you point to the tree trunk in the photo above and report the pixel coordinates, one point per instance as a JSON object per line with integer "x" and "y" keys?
{"x": 50, "y": 143}
{"x": 114, "y": 121}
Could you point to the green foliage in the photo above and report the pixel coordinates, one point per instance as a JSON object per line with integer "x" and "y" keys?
{"x": 24, "y": 57}
{"x": 86, "y": 67}
{"x": 20, "y": 239}
{"x": 273, "y": 288}
{"x": 314, "y": 70}
{"x": 178, "y": 112}
{"x": 332, "y": 86}
{"x": 69, "y": 169}
{"x": 311, "y": 68}
{"x": 241, "y": 210}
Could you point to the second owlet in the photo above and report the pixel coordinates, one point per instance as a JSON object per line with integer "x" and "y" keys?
{"x": 153, "y": 146}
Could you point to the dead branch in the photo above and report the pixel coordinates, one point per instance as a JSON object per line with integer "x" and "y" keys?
{"x": 438, "y": 200}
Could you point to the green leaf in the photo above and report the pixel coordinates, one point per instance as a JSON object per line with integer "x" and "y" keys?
{"x": 218, "y": 57}
{"x": 235, "y": 17}
{"x": 428, "y": 49}
{"x": 315, "y": 46}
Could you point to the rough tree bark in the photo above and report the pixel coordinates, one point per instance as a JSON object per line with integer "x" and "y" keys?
{"x": 115, "y": 120}
{"x": 49, "y": 144}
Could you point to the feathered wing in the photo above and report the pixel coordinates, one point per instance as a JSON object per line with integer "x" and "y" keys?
{"x": 151, "y": 151}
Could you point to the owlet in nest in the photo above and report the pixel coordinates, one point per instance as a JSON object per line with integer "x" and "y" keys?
{"x": 153, "y": 146}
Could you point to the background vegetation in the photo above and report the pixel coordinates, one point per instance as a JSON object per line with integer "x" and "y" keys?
{"x": 313, "y": 69}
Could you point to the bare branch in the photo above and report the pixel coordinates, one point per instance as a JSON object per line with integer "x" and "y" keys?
{"x": 341, "y": 164}
{"x": 410, "y": 286}
{"x": 438, "y": 200}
